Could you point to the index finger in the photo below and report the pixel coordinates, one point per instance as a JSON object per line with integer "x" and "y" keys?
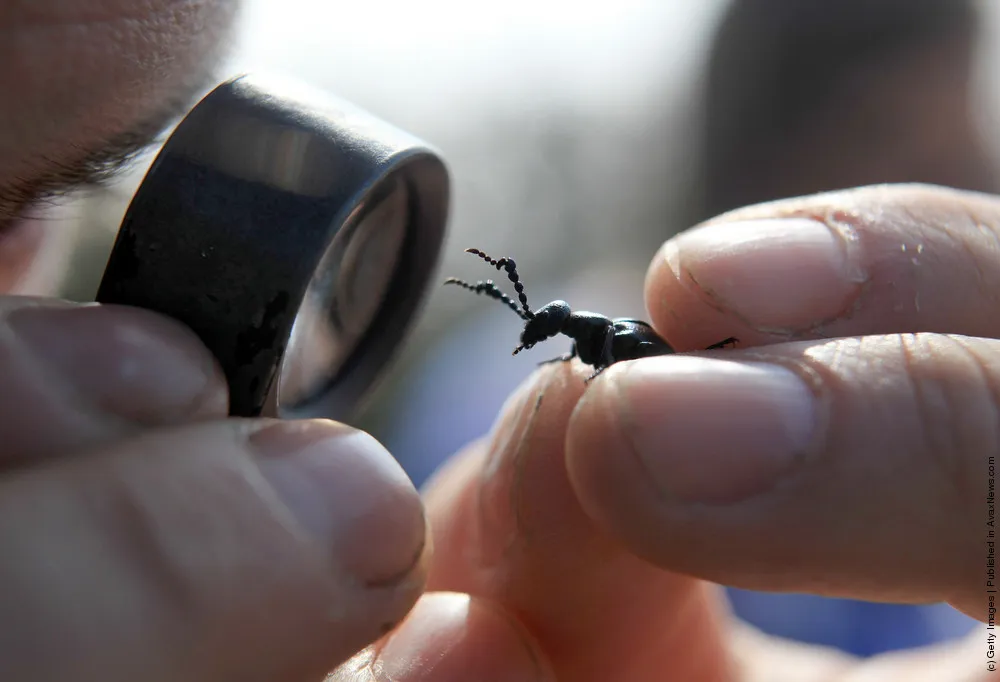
{"x": 507, "y": 526}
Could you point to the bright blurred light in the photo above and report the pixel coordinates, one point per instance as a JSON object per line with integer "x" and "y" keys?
{"x": 553, "y": 47}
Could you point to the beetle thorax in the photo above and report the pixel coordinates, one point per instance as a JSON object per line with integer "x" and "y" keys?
{"x": 546, "y": 322}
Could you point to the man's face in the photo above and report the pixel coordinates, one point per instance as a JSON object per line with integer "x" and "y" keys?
{"x": 86, "y": 83}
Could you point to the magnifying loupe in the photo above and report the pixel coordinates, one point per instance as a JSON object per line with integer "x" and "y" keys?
{"x": 294, "y": 233}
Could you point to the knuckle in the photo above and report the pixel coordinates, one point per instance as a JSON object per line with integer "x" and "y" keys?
{"x": 955, "y": 382}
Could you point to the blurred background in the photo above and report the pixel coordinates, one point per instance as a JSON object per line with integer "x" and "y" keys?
{"x": 581, "y": 134}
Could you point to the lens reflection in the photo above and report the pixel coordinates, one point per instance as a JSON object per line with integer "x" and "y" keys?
{"x": 345, "y": 294}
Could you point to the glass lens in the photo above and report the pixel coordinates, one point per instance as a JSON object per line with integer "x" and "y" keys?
{"x": 345, "y": 294}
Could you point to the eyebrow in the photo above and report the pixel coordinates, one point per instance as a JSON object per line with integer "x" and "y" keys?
{"x": 97, "y": 166}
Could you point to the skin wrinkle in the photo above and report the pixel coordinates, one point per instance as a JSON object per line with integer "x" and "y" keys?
{"x": 138, "y": 43}
{"x": 991, "y": 388}
{"x": 835, "y": 222}
{"x": 279, "y": 520}
{"x": 278, "y": 523}
{"x": 925, "y": 416}
{"x": 956, "y": 237}
{"x": 85, "y": 425}
{"x": 915, "y": 226}
{"x": 849, "y": 236}
{"x": 71, "y": 397}
{"x": 947, "y": 456}
{"x": 521, "y": 527}
{"x": 811, "y": 373}
{"x": 906, "y": 344}
{"x": 672, "y": 312}
{"x": 282, "y": 517}
{"x": 984, "y": 227}
{"x": 825, "y": 374}
{"x": 943, "y": 446}
{"x": 984, "y": 289}
{"x": 714, "y": 301}
{"x": 841, "y": 357}
{"x": 487, "y": 477}
{"x": 368, "y": 662}
{"x": 517, "y": 462}
{"x": 137, "y": 537}
{"x": 980, "y": 273}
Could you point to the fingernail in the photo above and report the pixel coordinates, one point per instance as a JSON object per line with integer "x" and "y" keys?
{"x": 346, "y": 490}
{"x": 129, "y": 362}
{"x": 715, "y": 431}
{"x": 776, "y": 273}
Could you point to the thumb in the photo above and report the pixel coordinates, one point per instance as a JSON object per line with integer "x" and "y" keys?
{"x": 799, "y": 467}
{"x": 75, "y": 377}
{"x": 232, "y": 550}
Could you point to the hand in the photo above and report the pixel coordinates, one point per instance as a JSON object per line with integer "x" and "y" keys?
{"x": 842, "y": 450}
{"x": 143, "y": 536}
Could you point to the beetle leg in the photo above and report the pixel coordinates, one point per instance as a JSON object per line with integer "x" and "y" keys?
{"x": 595, "y": 374}
{"x": 732, "y": 340}
{"x": 565, "y": 357}
{"x": 606, "y": 358}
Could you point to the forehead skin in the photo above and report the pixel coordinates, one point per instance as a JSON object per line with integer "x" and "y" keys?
{"x": 79, "y": 75}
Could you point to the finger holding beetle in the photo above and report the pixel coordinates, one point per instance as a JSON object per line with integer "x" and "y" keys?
{"x": 852, "y": 464}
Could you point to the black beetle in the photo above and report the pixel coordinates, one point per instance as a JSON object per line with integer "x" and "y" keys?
{"x": 597, "y": 340}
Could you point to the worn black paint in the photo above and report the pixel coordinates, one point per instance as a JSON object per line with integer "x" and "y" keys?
{"x": 230, "y": 224}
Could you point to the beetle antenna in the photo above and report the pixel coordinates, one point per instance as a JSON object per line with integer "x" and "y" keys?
{"x": 490, "y": 289}
{"x": 510, "y": 267}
